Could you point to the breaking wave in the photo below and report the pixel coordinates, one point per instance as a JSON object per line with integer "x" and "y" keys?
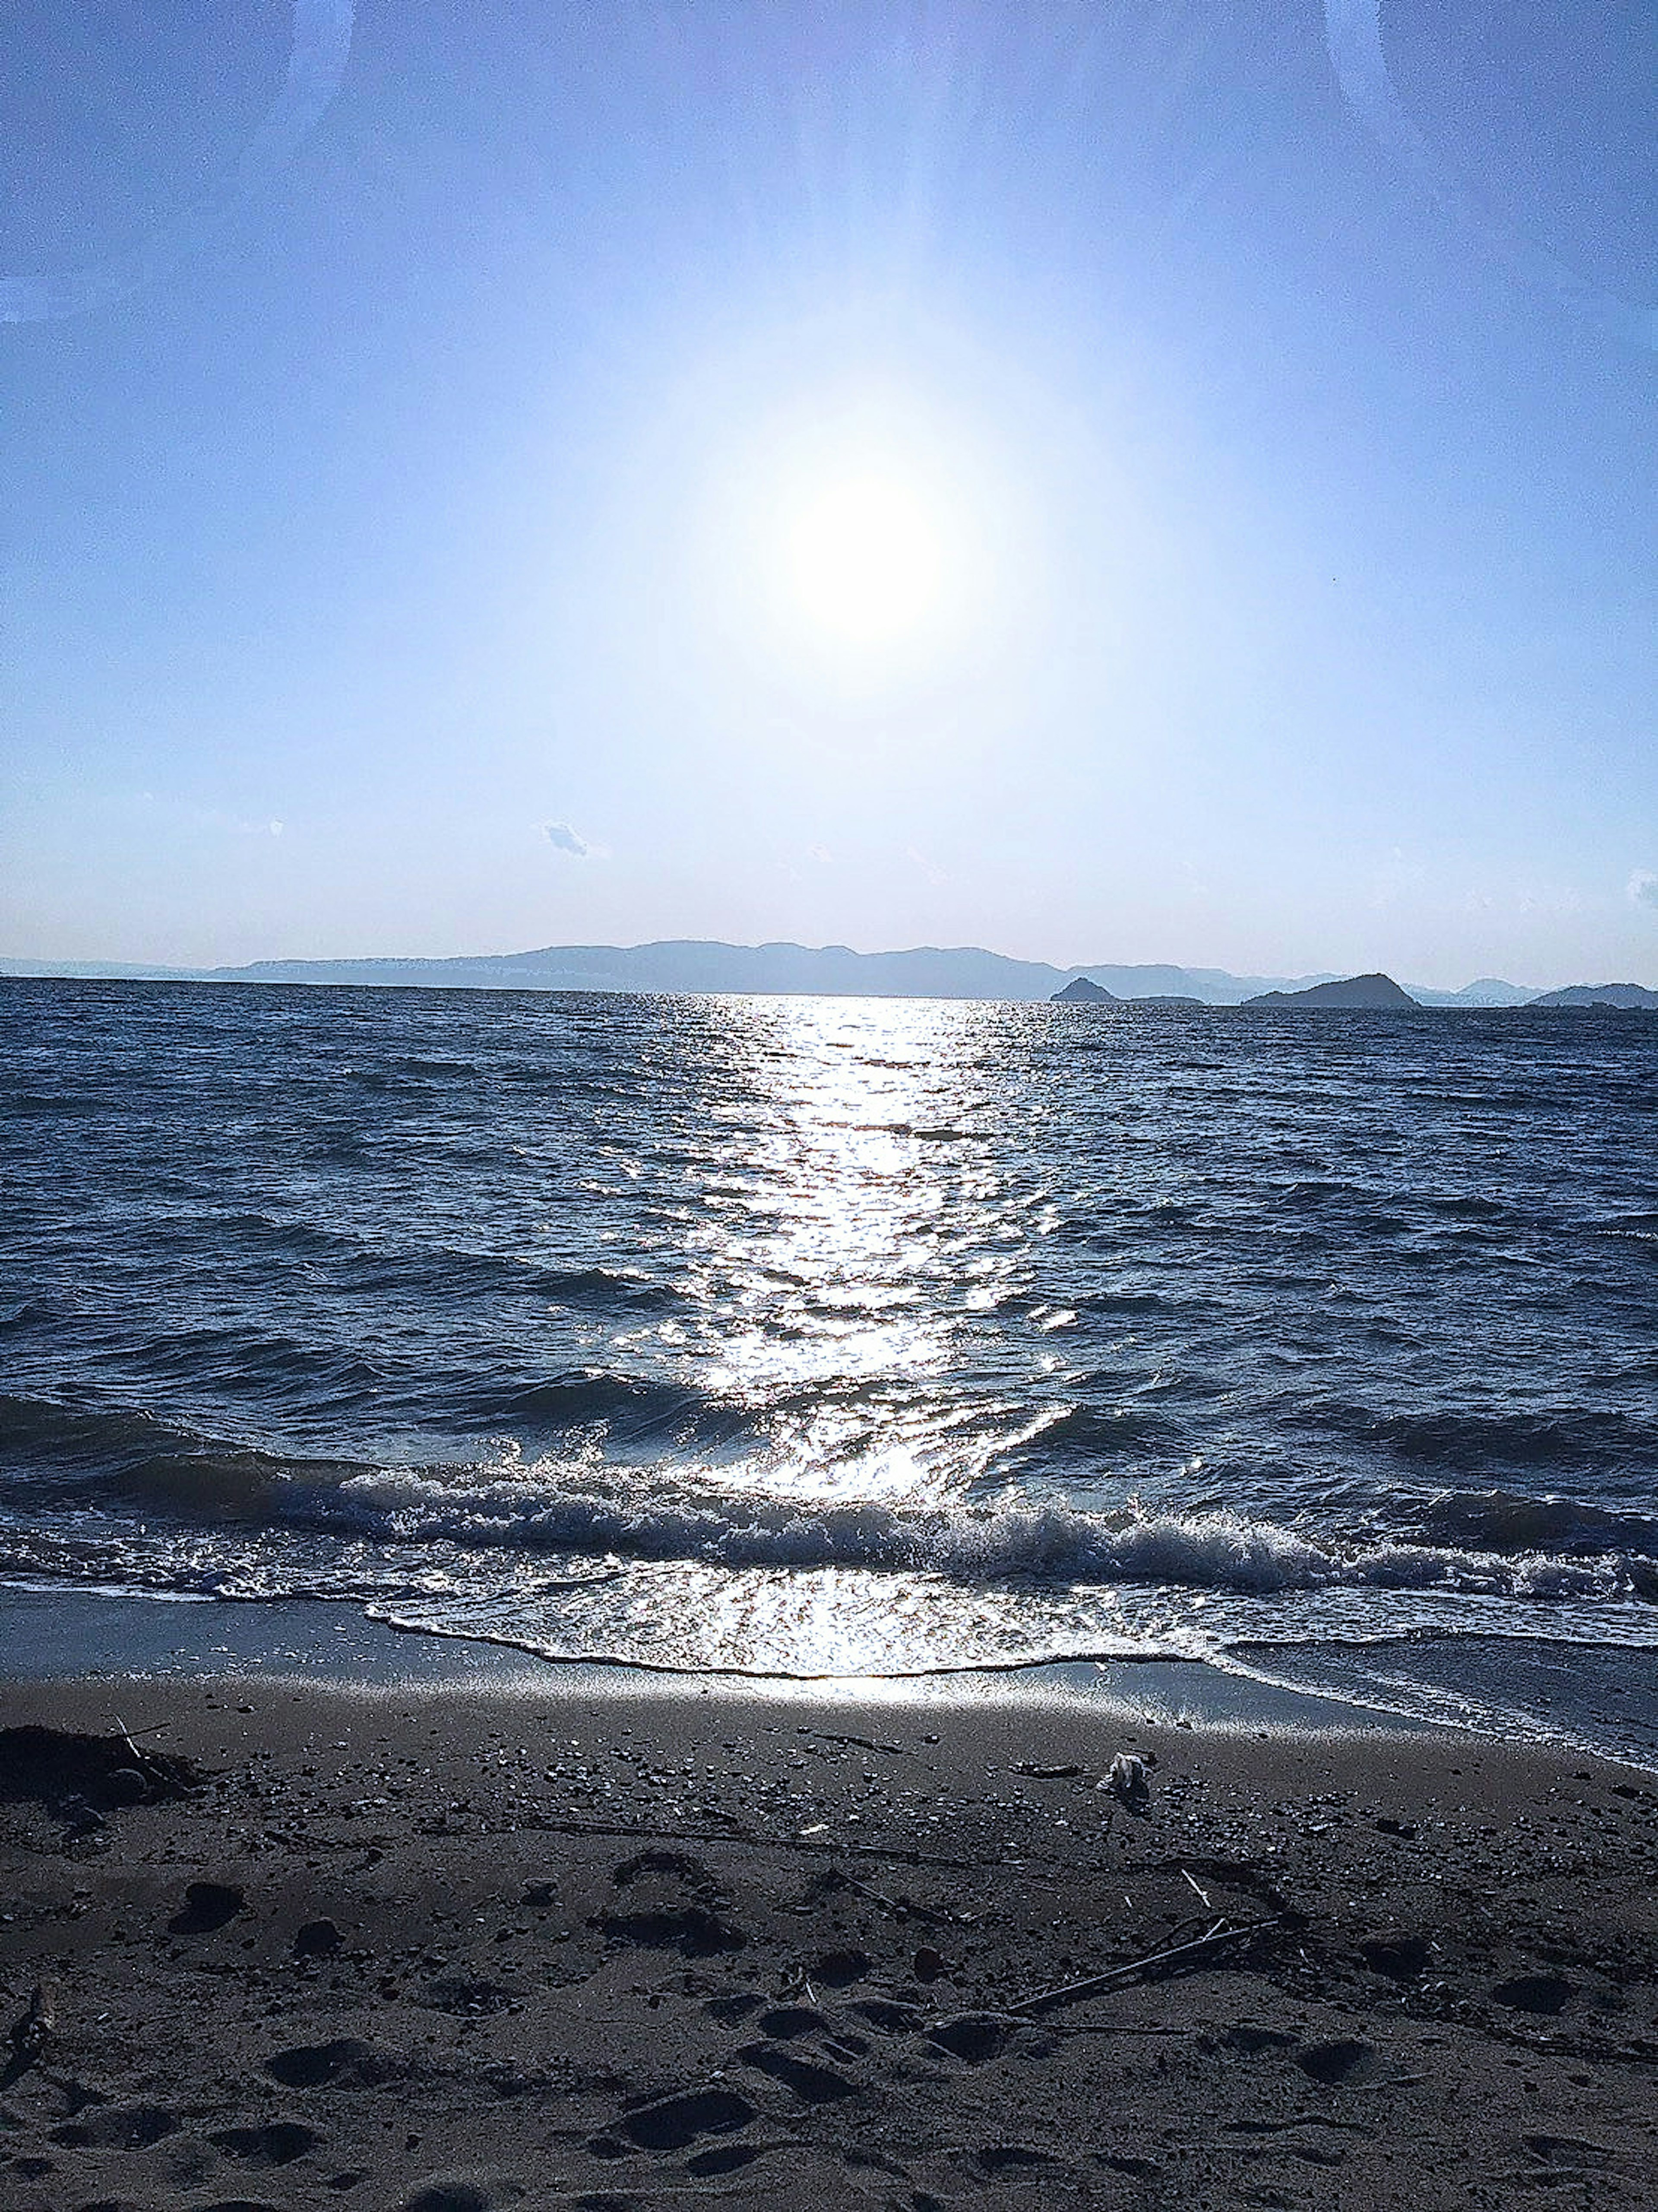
{"x": 1042, "y": 1540}
{"x": 1492, "y": 1543}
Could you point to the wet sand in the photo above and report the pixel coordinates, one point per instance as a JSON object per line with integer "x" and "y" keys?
{"x": 452, "y": 1948}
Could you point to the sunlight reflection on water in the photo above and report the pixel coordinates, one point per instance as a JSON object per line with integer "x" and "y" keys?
{"x": 850, "y": 1244}
{"x": 834, "y": 1336}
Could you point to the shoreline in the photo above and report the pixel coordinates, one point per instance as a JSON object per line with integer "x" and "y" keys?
{"x": 73, "y": 1634}
{"x": 460, "y": 1946}
{"x": 1554, "y": 1696}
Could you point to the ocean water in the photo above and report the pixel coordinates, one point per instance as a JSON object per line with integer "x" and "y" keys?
{"x": 840, "y": 1337}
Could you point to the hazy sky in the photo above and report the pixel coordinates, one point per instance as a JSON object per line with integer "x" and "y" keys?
{"x": 1057, "y": 477}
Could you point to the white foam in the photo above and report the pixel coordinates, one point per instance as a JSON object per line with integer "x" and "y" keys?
{"x": 639, "y": 1515}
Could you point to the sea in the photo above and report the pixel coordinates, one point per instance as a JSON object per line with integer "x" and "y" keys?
{"x": 851, "y": 1338}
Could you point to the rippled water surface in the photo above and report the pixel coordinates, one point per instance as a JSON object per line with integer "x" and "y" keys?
{"x": 819, "y": 1336}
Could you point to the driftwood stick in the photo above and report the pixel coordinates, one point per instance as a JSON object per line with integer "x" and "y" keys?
{"x": 901, "y": 1907}
{"x": 139, "y": 1759}
{"x": 1216, "y": 1939}
{"x": 859, "y": 1743}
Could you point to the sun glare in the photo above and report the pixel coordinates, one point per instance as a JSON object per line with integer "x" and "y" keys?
{"x": 865, "y": 557}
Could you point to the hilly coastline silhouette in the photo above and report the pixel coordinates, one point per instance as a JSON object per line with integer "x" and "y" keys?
{"x": 695, "y": 965}
{"x": 1372, "y": 993}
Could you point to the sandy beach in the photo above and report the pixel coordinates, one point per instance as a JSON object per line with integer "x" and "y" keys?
{"x": 268, "y": 1944}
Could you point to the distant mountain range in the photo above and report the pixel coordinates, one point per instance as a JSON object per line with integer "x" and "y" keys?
{"x": 927, "y": 971}
{"x": 1488, "y": 991}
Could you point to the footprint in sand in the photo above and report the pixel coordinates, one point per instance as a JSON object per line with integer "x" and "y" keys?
{"x": 1003, "y": 2158}
{"x": 277, "y": 2143}
{"x": 671, "y": 2123}
{"x": 119, "y": 2127}
{"x": 724, "y": 2158}
{"x": 1539, "y": 1993}
{"x": 974, "y": 2037}
{"x": 675, "y": 1902}
{"x": 1400, "y": 1954}
{"x": 784, "y": 2022}
{"x": 838, "y": 1969}
{"x": 345, "y": 2064}
{"x": 207, "y": 1906}
{"x": 449, "y": 2196}
{"x": 811, "y": 2083}
{"x": 695, "y": 1929}
{"x": 1342, "y": 2060}
{"x": 737, "y": 2006}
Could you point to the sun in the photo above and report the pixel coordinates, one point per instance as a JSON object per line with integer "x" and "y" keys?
{"x": 862, "y": 543}
{"x": 866, "y": 556}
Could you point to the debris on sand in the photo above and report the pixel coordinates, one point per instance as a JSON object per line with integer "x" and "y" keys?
{"x": 1129, "y": 1783}
{"x": 32, "y": 2031}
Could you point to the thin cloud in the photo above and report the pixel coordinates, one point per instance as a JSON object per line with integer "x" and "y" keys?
{"x": 561, "y": 835}
{"x": 1642, "y": 888}
{"x": 222, "y": 820}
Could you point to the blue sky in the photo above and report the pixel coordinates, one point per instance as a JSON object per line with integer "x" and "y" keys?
{"x": 403, "y": 554}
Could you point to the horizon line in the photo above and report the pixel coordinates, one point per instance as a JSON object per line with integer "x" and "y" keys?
{"x": 44, "y": 968}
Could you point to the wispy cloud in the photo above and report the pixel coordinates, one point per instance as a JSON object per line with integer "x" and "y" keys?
{"x": 561, "y": 835}
{"x": 222, "y": 821}
{"x": 1642, "y": 888}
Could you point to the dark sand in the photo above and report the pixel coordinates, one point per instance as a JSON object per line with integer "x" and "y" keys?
{"x": 469, "y": 1947}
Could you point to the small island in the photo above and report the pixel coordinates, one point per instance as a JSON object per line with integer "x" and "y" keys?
{"x": 1367, "y": 993}
{"x": 1080, "y": 991}
{"x": 1629, "y": 998}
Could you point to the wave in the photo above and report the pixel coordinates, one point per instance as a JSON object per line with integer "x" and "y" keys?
{"x": 130, "y": 1455}
{"x": 589, "y": 1510}
{"x": 1504, "y": 1521}
{"x": 1490, "y": 1543}
{"x": 1571, "y": 1436}
{"x": 444, "y": 1269}
{"x": 28, "y": 1313}
{"x": 46, "y": 1104}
